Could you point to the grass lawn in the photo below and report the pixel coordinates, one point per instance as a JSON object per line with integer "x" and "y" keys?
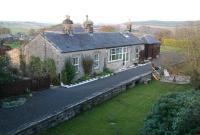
{"x": 13, "y": 45}
{"x": 123, "y": 115}
{"x": 164, "y": 48}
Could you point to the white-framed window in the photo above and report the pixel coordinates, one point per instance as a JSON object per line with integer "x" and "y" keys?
{"x": 125, "y": 54}
{"x": 137, "y": 53}
{"x": 96, "y": 61}
{"x": 115, "y": 54}
{"x": 75, "y": 62}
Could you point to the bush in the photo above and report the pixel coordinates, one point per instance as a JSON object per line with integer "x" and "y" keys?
{"x": 49, "y": 68}
{"x": 5, "y": 75}
{"x": 35, "y": 67}
{"x": 68, "y": 73}
{"x": 107, "y": 71}
{"x": 83, "y": 78}
{"x": 87, "y": 64}
{"x": 22, "y": 64}
{"x": 175, "y": 114}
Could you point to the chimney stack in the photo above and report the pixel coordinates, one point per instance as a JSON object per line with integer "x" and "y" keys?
{"x": 88, "y": 25}
{"x": 129, "y": 26}
{"x": 68, "y": 25}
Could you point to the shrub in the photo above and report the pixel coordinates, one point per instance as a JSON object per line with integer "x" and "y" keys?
{"x": 87, "y": 64}
{"x": 5, "y": 75}
{"x": 68, "y": 73}
{"x": 107, "y": 71}
{"x": 83, "y": 78}
{"x": 22, "y": 64}
{"x": 175, "y": 114}
{"x": 35, "y": 67}
{"x": 49, "y": 68}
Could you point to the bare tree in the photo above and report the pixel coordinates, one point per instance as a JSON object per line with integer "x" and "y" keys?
{"x": 191, "y": 34}
{"x": 107, "y": 28}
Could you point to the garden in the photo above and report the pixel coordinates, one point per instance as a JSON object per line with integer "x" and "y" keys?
{"x": 16, "y": 85}
{"x": 37, "y": 74}
{"x": 123, "y": 115}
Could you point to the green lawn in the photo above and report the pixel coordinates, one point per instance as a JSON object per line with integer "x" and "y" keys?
{"x": 164, "y": 48}
{"x": 13, "y": 45}
{"x": 123, "y": 115}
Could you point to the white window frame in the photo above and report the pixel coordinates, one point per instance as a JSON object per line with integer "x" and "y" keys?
{"x": 96, "y": 61}
{"x": 111, "y": 54}
{"x": 126, "y": 54}
{"x": 76, "y": 64}
{"x": 137, "y": 54}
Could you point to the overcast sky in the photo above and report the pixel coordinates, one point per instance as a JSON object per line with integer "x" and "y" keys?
{"x": 100, "y": 11}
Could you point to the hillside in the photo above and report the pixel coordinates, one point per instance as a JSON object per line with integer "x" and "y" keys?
{"x": 15, "y": 26}
{"x": 148, "y": 27}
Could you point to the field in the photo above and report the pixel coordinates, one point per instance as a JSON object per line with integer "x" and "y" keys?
{"x": 123, "y": 115}
{"x": 165, "y": 48}
{"x": 23, "y": 27}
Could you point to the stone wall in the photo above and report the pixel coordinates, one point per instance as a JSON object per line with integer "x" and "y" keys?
{"x": 71, "y": 111}
{"x": 80, "y": 55}
{"x": 40, "y": 47}
{"x": 103, "y": 59}
{"x": 14, "y": 55}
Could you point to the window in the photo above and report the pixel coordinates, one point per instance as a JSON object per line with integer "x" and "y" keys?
{"x": 125, "y": 54}
{"x": 115, "y": 54}
{"x": 75, "y": 62}
{"x": 96, "y": 61}
{"x": 137, "y": 53}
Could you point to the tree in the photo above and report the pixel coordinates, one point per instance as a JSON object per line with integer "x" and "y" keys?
{"x": 162, "y": 34}
{"x": 49, "y": 68}
{"x": 4, "y": 31}
{"x": 1, "y": 42}
{"x": 68, "y": 73}
{"x": 107, "y": 28}
{"x": 191, "y": 34}
{"x": 33, "y": 32}
{"x": 22, "y": 65}
{"x": 5, "y": 75}
{"x": 35, "y": 67}
{"x": 174, "y": 114}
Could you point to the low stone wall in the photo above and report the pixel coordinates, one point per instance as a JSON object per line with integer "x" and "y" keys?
{"x": 75, "y": 109}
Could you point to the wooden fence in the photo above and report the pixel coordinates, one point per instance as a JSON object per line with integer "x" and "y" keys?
{"x": 20, "y": 87}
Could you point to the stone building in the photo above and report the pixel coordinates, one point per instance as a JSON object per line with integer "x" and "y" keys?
{"x": 14, "y": 55}
{"x": 113, "y": 50}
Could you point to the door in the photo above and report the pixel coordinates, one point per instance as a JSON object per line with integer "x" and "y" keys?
{"x": 125, "y": 56}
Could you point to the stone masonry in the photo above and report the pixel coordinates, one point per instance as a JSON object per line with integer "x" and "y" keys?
{"x": 41, "y": 47}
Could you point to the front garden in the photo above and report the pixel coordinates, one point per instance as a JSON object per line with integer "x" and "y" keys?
{"x": 123, "y": 115}
{"x": 39, "y": 74}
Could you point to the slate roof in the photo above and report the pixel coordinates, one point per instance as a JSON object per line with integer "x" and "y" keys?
{"x": 85, "y": 41}
{"x": 150, "y": 40}
{"x": 78, "y": 29}
{"x": 4, "y": 36}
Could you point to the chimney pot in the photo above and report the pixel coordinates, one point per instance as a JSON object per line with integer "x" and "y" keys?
{"x": 68, "y": 25}
{"x": 88, "y": 25}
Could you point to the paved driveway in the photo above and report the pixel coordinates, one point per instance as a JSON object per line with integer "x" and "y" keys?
{"x": 49, "y": 101}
